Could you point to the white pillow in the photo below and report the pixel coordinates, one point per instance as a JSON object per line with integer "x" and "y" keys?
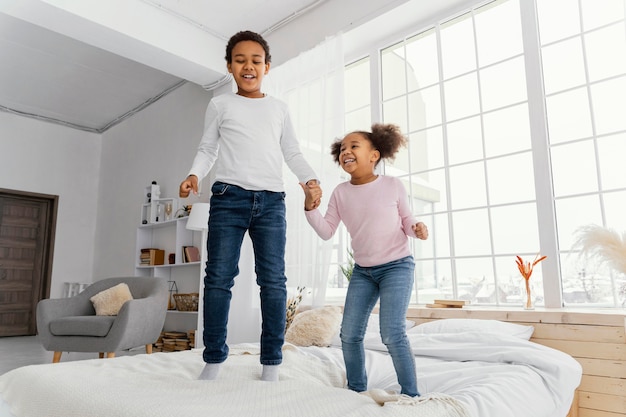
{"x": 110, "y": 301}
{"x": 473, "y": 325}
{"x": 314, "y": 327}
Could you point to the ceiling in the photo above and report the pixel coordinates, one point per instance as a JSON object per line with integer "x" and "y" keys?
{"x": 89, "y": 65}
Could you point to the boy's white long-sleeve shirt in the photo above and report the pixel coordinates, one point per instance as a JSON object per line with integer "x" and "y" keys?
{"x": 252, "y": 137}
{"x": 377, "y": 216}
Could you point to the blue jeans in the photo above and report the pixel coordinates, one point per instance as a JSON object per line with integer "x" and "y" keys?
{"x": 392, "y": 283}
{"x": 234, "y": 211}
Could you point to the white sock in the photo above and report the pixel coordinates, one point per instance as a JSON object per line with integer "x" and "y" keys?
{"x": 270, "y": 373}
{"x": 210, "y": 371}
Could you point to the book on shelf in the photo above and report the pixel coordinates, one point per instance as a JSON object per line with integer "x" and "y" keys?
{"x": 191, "y": 254}
{"x": 447, "y": 304}
{"x": 151, "y": 256}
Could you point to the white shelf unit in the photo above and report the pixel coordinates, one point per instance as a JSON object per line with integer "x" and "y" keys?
{"x": 171, "y": 236}
{"x": 154, "y": 211}
{"x": 244, "y": 321}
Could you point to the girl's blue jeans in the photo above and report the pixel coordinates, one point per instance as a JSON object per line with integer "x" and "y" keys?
{"x": 233, "y": 211}
{"x": 392, "y": 283}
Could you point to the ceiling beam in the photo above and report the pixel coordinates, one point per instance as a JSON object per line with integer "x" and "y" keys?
{"x": 132, "y": 29}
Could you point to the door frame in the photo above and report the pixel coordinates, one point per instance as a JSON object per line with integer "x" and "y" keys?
{"x": 50, "y": 206}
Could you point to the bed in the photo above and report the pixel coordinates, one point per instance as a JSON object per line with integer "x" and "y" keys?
{"x": 465, "y": 368}
{"x": 596, "y": 338}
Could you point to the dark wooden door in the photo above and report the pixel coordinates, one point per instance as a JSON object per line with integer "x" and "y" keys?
{"x": 27, "y": 223}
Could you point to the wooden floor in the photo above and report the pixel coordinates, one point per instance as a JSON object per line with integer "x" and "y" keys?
{"x": 26, "y": 350}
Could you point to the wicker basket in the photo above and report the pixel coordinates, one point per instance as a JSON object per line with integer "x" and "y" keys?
{"x": 187, "y": 302}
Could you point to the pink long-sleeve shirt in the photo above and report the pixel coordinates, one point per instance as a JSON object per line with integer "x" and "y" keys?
{"x": 376, "y": 215}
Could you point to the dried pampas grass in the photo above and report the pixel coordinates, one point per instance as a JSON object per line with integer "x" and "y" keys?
{"x": 292, "y": 307}
{"x": 604, "y": 245}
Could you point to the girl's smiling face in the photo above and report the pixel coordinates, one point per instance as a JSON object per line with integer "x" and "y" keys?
{"x": 248, "y": 67}
{"x": 358, "y": 158}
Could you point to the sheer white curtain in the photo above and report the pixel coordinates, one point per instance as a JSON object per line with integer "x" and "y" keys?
{"x": 312, "y": 85}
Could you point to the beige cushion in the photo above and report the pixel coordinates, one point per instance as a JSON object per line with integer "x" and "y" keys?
{"x": 109, "y": 302}
{"x": 314, "y": 327}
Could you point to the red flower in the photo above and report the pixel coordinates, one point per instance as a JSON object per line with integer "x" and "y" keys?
{"x": 526, "y": 269}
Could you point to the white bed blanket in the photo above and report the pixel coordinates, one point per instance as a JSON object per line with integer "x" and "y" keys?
{"x": 165, "y": 384}
{"x": 493, "y": 375}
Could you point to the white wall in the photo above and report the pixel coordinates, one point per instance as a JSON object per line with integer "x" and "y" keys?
{"x": 100, "y": 179}
{"x": 158, "y": 143}
{"x": 46, "y": 158}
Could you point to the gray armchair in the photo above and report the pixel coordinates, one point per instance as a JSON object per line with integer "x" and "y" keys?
{"x": 71, "y": 324}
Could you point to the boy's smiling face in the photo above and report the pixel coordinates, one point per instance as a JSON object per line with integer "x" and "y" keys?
{"x": 248, "y": 67}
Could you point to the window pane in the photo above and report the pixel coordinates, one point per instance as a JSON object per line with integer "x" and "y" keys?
{"x": 437, "y": 225}
{"x": 498, "y": 31}
{"x": 609, "y": 105}
{"x": 475, "y": 279}
{"x": 587, "y": 282}
{"x": 437, "y": 181}
{"x": 357, "y": 83}
{"x": 511, "y": 179}
{"x": 457, "y": 46}
{"x": 606, "y": 52}
{"x": 422, "y": 192}
{"x": 469, "y": 229}
{"x": 558, "y": 19}
{"x": 395, "y": 111}
{"x": 461, "y": 95}
{"x": 424, "y": 108}
{"x": 615, "y": 203}
{"x": 433, "y": 280}
{"x": 503, "y": 84}
{"x": 358, "y": 120}
{"x": 426, "y": 149}
{"x": 563, "y": 65}
{"x": 465, "y": 141}
{"x": 569, "y": 175}
{"x": 594, "y": 16}
{"x": 393, "y": 71}
{"x": 467, "y": 186}
{"x": 441, "y": 227}
{"x": 421, "y": 55}
{"x": 611, "y": 155}
{"x": 515, "y": 229}
{"x": 400, "y": 166}
{"x": 506, "y": 130}
{"x": 573, "y": 213}
{"x": 419, "y": 199}
{"x": 568, "y": 116}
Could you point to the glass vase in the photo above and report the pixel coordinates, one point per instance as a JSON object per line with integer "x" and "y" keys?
{"x": 527, "y": 296}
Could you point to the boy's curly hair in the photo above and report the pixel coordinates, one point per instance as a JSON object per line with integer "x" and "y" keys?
{"x": 386, "y": 138}
{"x": 246, "y": 35}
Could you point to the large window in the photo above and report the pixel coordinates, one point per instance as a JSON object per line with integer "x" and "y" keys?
{"x": 583, "y": 49}
{"x": 357, "y": 102}
{"x": 517, "y": 137}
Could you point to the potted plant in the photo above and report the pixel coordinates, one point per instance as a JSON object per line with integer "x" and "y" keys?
{"x": 347, "y": 270}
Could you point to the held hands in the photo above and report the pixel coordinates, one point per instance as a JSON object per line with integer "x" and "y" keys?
{"x": 420, "y": 230}
{"x": 312, "y": 194}
{"x": 188, "y": 185}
